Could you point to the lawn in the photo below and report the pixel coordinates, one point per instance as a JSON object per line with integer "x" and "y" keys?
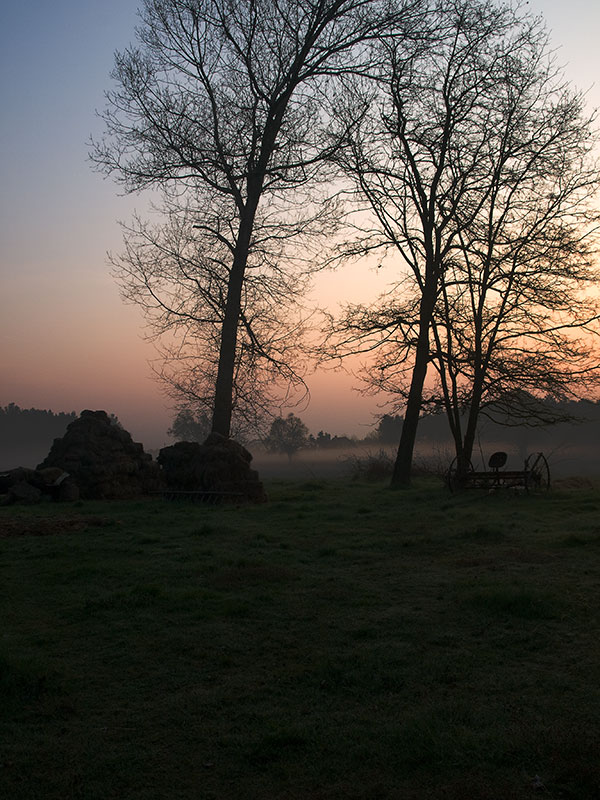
{"x": 342, "y": 641}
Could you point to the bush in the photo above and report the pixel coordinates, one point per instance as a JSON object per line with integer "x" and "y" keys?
{"x": 370, "y": 466}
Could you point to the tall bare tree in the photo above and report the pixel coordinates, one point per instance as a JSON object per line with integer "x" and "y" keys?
{"x": 472, "y": 160}
{"x": 179, "y": 278}
{"x": 223, "y": 99}
{"x": 517, "y": 320}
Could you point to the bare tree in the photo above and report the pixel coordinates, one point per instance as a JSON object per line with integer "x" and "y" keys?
{"x": 472, "y": 160}
{"x": 222, "y": 99}
{"x": 171, "y": 271}
{"x": 516, "y": 321}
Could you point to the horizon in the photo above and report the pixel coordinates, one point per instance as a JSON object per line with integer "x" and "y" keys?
{"x": 68, "y": 341}
{"x": 570, "y": 447}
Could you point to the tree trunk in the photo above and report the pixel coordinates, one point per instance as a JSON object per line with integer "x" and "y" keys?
{"x": 223, "y": 403}
{"x": 464, "y": 457}
{"x": 404, "y": 457}
{"x": 469, "y": 439}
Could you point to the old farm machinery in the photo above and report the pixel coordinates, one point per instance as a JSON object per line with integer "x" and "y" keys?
{"x": 534, "y": 477}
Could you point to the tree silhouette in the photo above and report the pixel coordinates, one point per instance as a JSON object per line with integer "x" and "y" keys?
{"x": 474, "y": 160}
{"x": 287, "y": 435}
{"x": 221, "y": 106}
{"x": 190, "y": 426}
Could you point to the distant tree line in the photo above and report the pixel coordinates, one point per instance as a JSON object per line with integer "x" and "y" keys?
{"x": 326, "y": 441}
{"x": 30, "y": 426}
{"x": 556, "y": 419}
{"x": 438, "y": 137}
{"x": 26, "y": 434}
{"x": 576, "y": 422}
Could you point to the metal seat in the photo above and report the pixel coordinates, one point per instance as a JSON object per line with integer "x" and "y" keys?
{"x": 497, "y": 460}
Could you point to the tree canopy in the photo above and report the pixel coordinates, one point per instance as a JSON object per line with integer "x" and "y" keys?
{"x": 466, "y": 163}
{"x": 221, "y": 106}
{"x": 287, "y": 435}
{"x": 476, "y": 164}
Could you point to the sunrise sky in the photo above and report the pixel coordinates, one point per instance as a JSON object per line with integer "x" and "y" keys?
{"x": 67, "y": 342}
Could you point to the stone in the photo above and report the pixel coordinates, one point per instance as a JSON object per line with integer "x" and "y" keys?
{"x": 220, "y": 466}
{"x": 13, "y": 476}
{"x": 50, "y": 476}
{"x": 67, "y": 492}
{"x": 23, "y": 492}
{"x": 49, "y": 483}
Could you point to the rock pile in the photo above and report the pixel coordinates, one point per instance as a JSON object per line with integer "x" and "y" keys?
{"x": 27, "y": 486}
{"x": 102, "y": 459}
{"x": 220, "y": 467}
{"x": 97, "y": 459}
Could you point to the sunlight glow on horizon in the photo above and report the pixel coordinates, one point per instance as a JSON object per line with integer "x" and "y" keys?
{"x": 67, "y": 341}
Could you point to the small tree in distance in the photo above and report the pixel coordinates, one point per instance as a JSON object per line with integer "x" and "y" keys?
{"x": 287, "y": 435}
{"x": 190, "y": 426}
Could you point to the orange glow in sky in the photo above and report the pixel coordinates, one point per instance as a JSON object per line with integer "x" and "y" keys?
{"x": 67, "y": 342}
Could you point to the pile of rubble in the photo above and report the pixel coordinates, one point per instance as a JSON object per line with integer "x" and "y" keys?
{"x": 219, "y": 468}
{"x": 23, "y": 485}
{"x": 102, "y": 459}
{"x": 97, "y": 459}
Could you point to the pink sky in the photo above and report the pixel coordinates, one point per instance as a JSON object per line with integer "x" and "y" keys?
{"x": 67, "y": 342}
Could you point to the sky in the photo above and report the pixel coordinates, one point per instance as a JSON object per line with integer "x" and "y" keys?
{"x": 67, "y": 341}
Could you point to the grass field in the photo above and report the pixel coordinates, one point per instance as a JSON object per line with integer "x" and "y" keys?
{"x": 342, "y": 641}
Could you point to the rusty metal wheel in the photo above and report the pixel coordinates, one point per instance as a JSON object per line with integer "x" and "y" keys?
{"x": 537, "y": 473}
{"x": 454, "y": 480}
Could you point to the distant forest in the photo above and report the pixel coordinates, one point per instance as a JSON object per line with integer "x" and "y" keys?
{"x": 572, "y": 445}
{"x": 26, "y": 436}
{"x": 578, "y": 419}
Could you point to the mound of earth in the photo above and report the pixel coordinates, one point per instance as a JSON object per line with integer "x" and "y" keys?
{"x": 220, "y": 467}
{"x": 102, "y": 459}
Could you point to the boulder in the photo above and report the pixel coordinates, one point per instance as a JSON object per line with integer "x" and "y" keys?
{"x": 23, "y": 485}
{"x": 56, "y": 483}
{"x": 220, "y": 466}
{"x": 23, "y": 492}
{"x": 50, "y": 477}
{"x": 102, "y": 460}
{"x": 67, "y": 491}
{"x": 14, "y": 476}
{"x": 20, "y": 486}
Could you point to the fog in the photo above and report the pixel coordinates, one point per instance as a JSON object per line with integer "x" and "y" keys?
{"x": 565, "y": 460}
{"x": 570, "y": 449}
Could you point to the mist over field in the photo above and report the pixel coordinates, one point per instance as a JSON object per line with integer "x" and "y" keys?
{"x": 571, "y": 449}
{"x": 565, "y": 459}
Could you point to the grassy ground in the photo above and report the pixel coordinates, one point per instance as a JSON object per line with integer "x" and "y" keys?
{"x": 342, "y": 641}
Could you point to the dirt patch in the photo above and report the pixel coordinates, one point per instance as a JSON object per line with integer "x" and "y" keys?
{"x": 48, "y": 526}
{"x": 524, "y": 556}
{"x": 252, "y": 575}
{"x": 576, "y": 483}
